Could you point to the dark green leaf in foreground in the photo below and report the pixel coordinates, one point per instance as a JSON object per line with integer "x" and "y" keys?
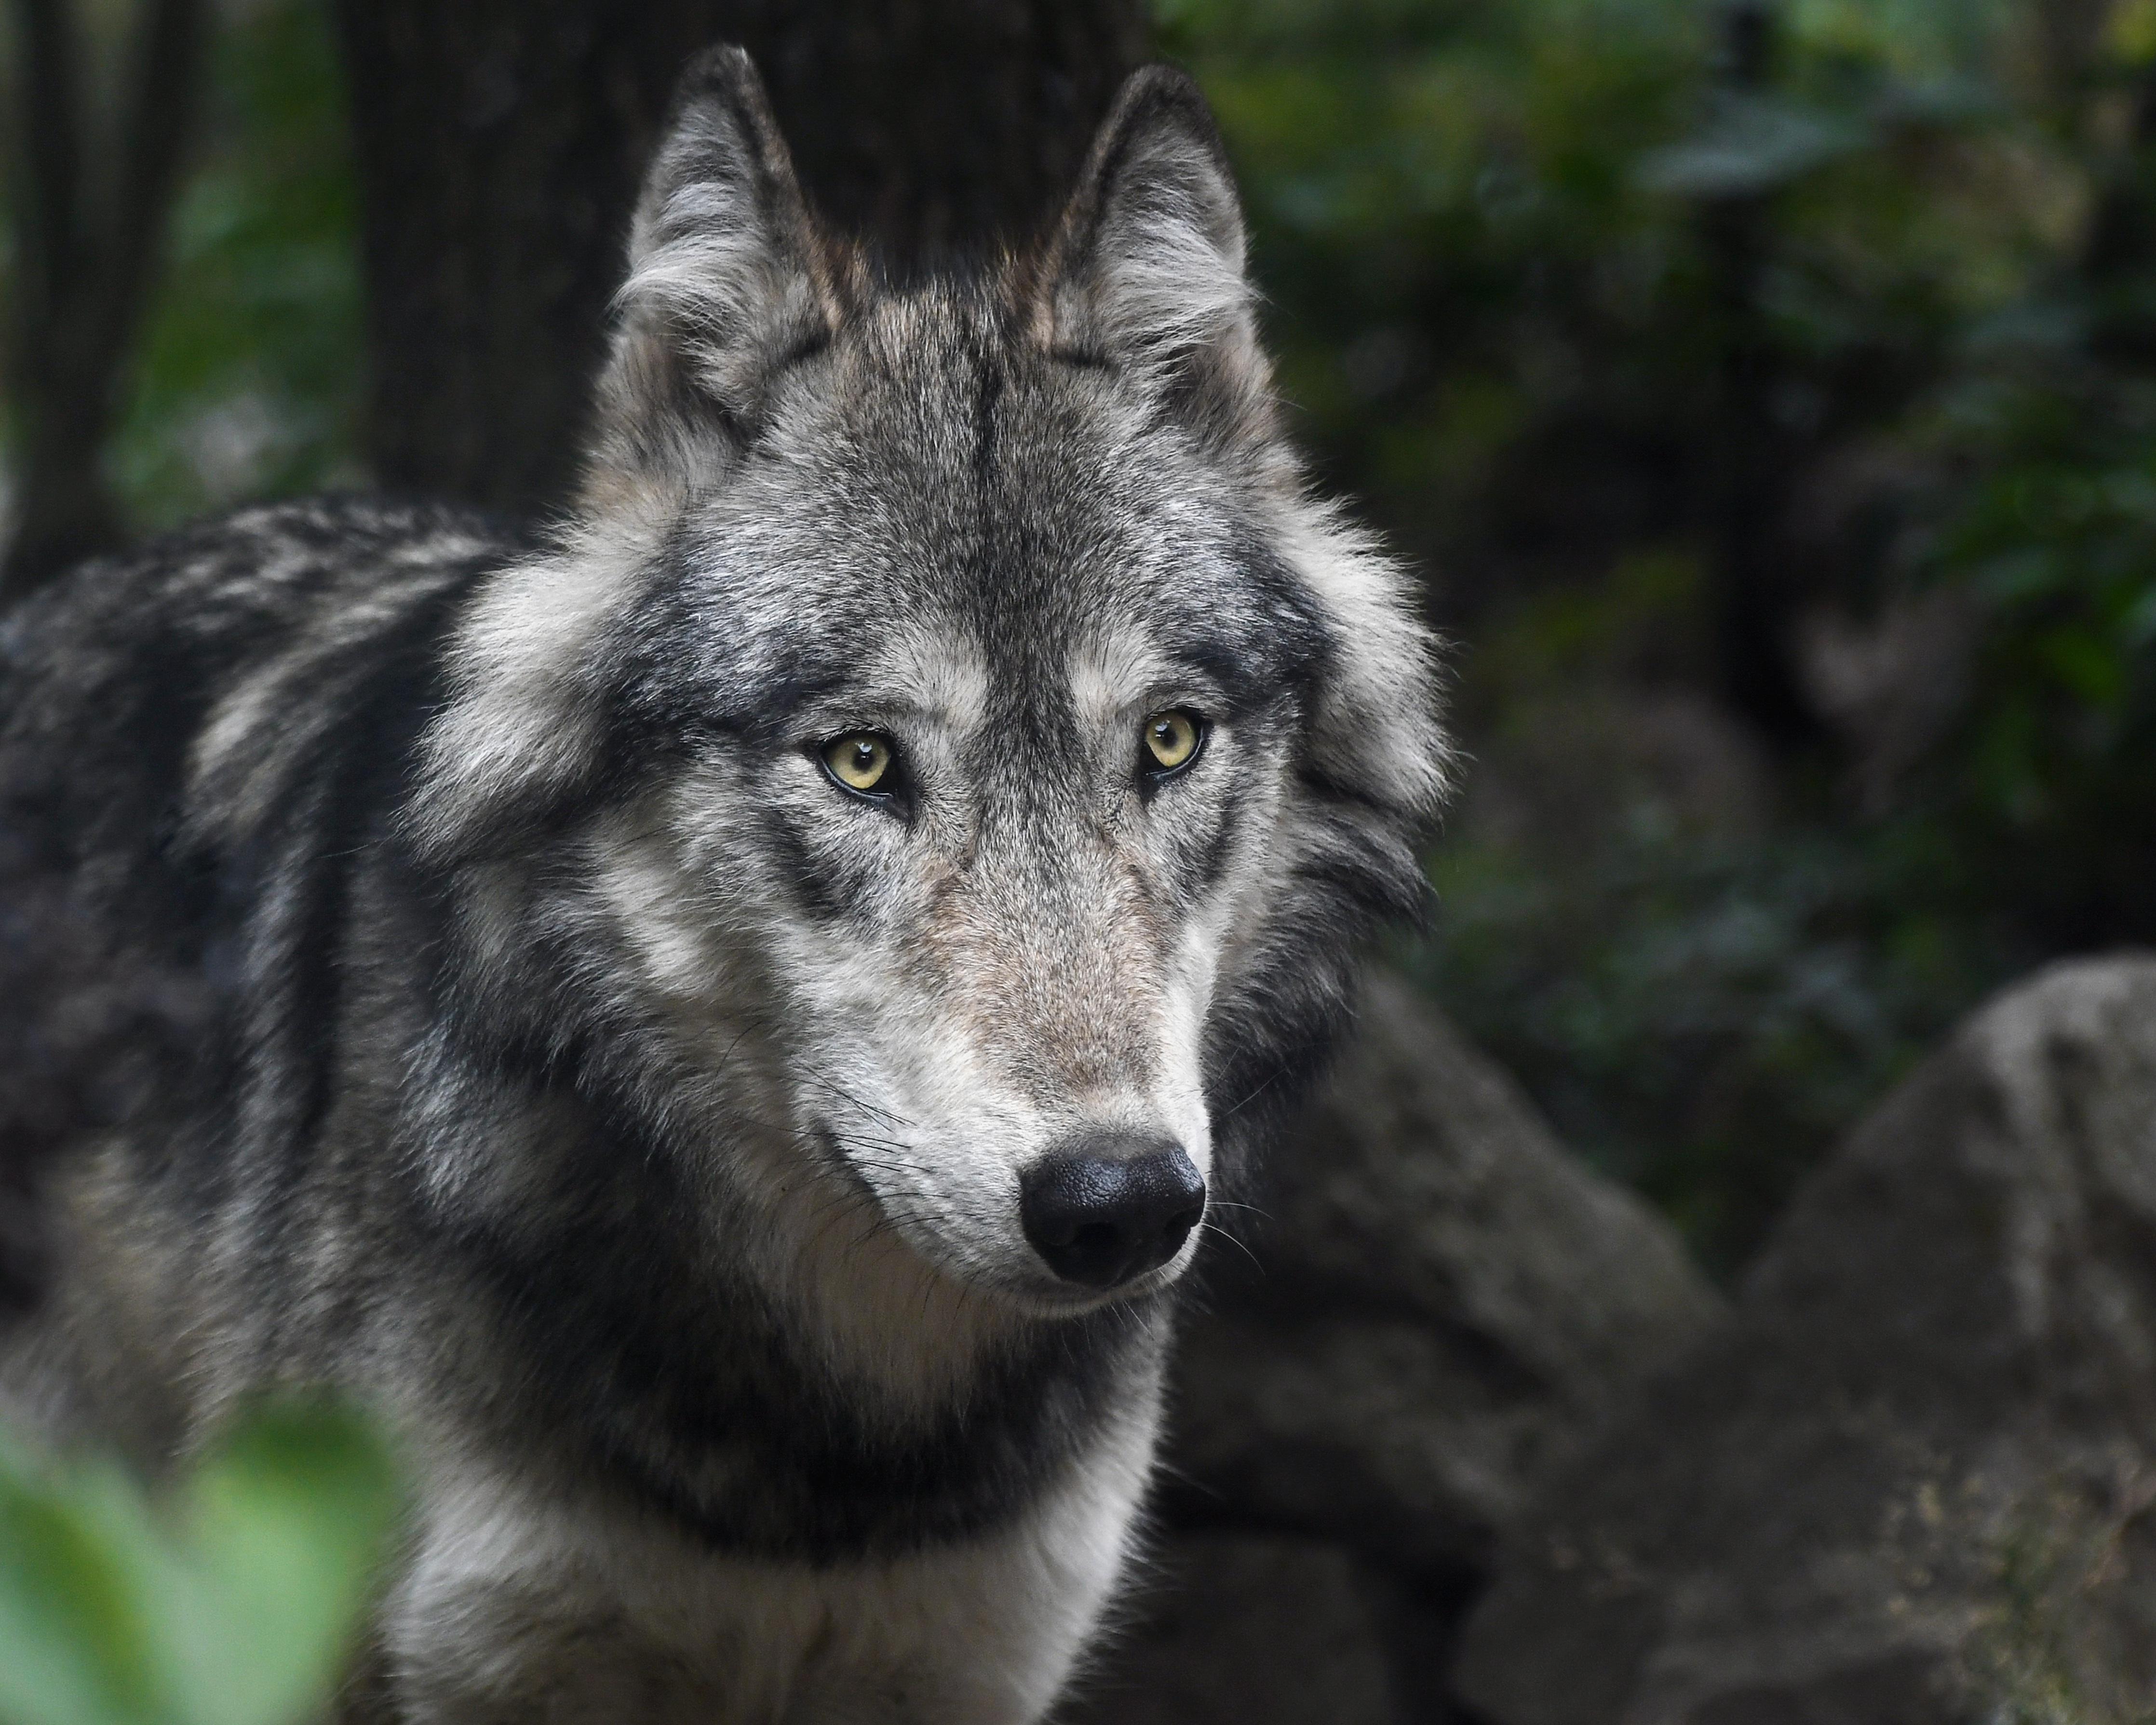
{"x": 81, "y": 1568}
{"x": 232, "y": 1603}
{"x": 282, "y": 1527}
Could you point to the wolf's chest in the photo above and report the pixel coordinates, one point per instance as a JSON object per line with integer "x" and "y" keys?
{"x": 518, "y": 1605}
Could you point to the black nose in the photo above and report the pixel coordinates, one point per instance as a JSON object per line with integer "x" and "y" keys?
{"x": 1111, "y": 1206}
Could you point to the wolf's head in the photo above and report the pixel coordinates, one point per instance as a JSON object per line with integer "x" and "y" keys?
{"x": 936, "y": 780}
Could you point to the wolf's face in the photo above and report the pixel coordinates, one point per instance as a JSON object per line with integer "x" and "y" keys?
{"x": 992, "y": 699}
{"x": 940, "y": 775}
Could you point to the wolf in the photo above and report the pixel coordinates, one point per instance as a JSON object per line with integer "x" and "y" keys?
{"x": 732, "y": 1013}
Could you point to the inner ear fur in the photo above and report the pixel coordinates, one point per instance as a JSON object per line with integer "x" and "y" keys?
{"x": 1145, "y": 271}
{"x": 730, "y": 275}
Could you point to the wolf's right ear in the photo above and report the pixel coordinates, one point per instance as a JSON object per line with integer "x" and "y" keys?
{"x": 729, "y": 276}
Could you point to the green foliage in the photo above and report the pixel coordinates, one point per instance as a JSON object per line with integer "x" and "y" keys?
{"x": 1444, "y": 220}
{"x": 233, "y": 1602}
{"x": 1701, "y": 1018}
{"x": 251, "y": 374}
{"x": 1533, "y": 265}
{"x": 1701, "y": 991}
{"x": 1497, "y": 303}
{"x": 2051, "y": 776}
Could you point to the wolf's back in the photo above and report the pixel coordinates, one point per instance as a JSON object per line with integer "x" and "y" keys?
{"x": 200, "y": 744}
{"x": 173, "y": 700}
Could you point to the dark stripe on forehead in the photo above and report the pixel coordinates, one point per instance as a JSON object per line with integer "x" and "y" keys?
{"x": 1292, "y": 631}
{"x": 693, "y": 655}
{"x": 1257, "y": 643}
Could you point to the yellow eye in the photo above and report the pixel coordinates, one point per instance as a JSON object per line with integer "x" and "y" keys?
{"x": 859, "y": 760}
{"x": 1171, "y": 739}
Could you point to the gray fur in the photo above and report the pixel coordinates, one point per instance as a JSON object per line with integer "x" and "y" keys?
{"x": 631, "y": 1114}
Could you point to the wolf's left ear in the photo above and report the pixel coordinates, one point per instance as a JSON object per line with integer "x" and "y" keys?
{"x": 729, "y": 275}
{"x": 1145, "y": 269}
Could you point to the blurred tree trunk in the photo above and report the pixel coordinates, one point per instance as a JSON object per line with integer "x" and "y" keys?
{"x": 91, "y": 204}
{"x": 500, "y": 144}
{"x": 1754, "y": 594}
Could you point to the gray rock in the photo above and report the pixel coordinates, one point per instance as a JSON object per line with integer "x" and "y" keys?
{"x": 1439, "y": 1305}
{"x": 1913, "y": 1483}
{"x": 1232, "y": 1629}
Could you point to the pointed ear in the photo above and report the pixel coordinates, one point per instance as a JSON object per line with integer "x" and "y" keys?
{"x": 729, "y": 276}
{"x": 1145, "y": 271}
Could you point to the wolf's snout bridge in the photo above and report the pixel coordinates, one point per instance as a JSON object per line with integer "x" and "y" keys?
{"x": 1108, "y": 1207}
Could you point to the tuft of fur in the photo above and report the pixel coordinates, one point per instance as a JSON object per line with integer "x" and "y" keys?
{"x": 632, "y": 1113}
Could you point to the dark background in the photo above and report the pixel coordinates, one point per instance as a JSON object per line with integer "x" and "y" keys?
{"x": 1765, "y": 389}
{"x": 1766, "y": 392}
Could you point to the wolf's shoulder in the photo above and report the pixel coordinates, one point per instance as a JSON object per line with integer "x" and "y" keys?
{"x": 165, "y": 628}
{"x": 213, "y": 593}
{"x": 151, "y": 686}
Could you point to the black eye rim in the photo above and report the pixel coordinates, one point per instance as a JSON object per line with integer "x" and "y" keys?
{"x": 1150, "y": 769}
{"x": 888, "y": 791}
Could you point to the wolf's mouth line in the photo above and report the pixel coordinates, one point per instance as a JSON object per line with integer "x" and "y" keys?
{"x": 1045, "y": 1294}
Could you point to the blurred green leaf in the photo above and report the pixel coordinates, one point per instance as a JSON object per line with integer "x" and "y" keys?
{"x": 281, "y": 1527}
{"x": 233, "y": 1602}
{"x": 250, "y": 381}
{"x": 81, "y": 1573}
{"x": 1753, "y": 144}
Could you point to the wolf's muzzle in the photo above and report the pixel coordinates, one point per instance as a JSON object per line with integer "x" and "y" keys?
{"x": 1108, "y": 1207}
